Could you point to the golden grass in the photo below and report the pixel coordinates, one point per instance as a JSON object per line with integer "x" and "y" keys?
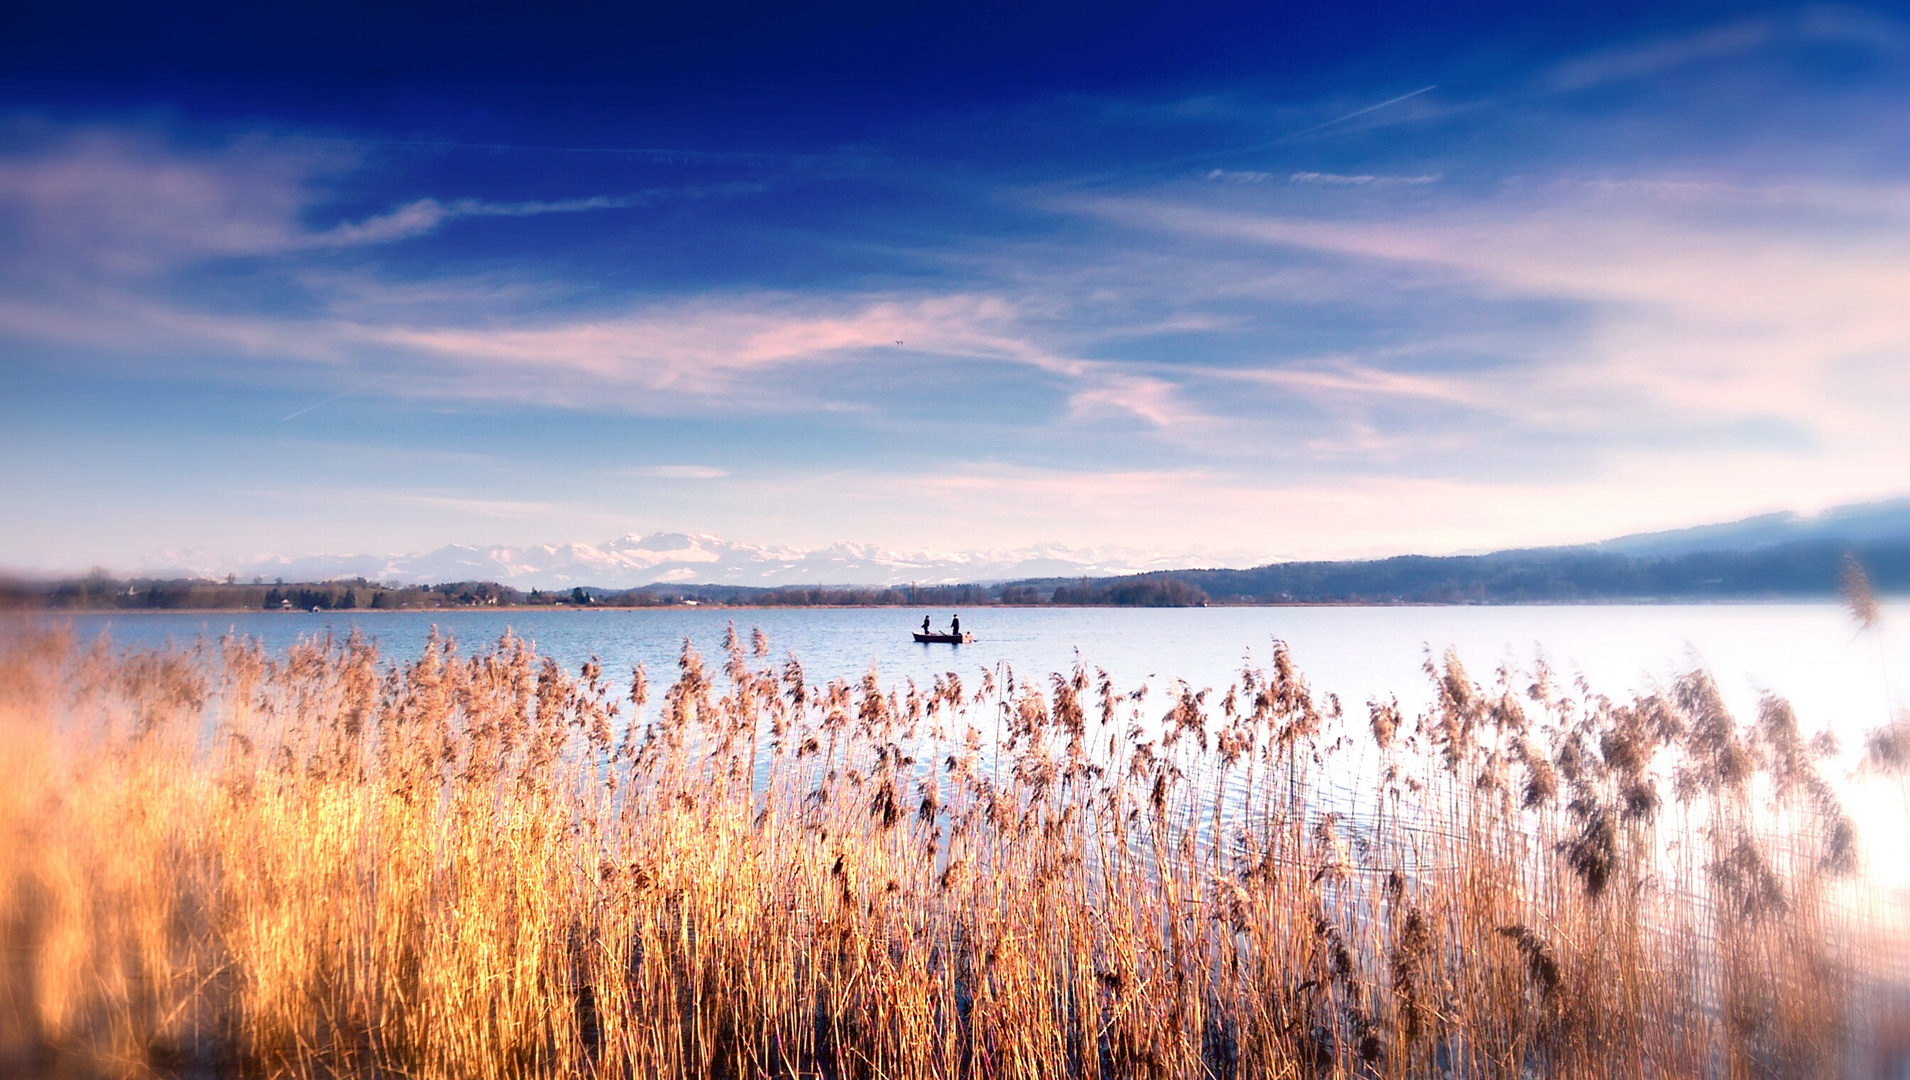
{"x": 221, "y": 862}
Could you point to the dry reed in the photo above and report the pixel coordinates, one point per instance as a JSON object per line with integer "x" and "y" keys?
{"x": 324, "y": 863}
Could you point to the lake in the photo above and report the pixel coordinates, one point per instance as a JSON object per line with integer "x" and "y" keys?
{"x": 1813, "y": 654}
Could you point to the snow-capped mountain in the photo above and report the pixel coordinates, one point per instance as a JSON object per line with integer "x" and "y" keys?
{"x": 688, "y": 558}
{"x": 693, "y": 559}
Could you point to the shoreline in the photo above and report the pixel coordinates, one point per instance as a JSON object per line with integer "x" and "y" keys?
{"x": 554, "y": 608}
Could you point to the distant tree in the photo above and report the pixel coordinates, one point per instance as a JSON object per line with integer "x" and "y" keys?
{"x": 1081, "y": 594}
{"x": 579, "y": 596}
{"x": 1159, "y": 592}
{"x": 1146, "y": 592}
{"x": 350, "y": 601}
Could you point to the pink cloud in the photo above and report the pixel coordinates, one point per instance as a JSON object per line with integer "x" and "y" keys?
{"x": 1714, "y": 302}
{"x": 1156, "y": 401}
{"x": 128, "y": 203}
{"x": 711, "y": 350}
{"x": 1349, "y": 377}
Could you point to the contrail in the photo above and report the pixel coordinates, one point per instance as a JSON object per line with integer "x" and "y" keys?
{"x": 1362, "y": 112}
{"x": 335, "y": 397}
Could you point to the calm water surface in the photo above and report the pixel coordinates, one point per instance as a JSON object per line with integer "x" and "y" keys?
{"x": 1813, "y": 654}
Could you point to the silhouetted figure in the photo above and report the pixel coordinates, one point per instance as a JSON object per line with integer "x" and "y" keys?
{"x": 955, "y": 625}
{"x": 925, "y": 628}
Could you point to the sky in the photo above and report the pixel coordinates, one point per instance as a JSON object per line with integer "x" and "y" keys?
{"x": 1249, "y": 281}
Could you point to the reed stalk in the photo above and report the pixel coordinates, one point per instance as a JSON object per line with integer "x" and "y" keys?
{"x": 215, "y": 860}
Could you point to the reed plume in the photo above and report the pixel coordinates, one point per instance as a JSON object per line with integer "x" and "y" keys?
{"x": 328, "y": 862}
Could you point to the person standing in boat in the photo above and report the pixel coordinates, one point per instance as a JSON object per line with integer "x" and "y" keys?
{"x": 955, "y": 626}
{"x": 925, "y": 628}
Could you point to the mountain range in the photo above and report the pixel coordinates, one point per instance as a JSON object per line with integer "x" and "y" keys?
{"x": 687, "y": 558}
{"x": 1859, "y": 523}
{"x": 1770, "y": 557}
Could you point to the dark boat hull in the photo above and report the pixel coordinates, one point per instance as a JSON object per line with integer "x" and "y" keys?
{"x": 944, "y": 639}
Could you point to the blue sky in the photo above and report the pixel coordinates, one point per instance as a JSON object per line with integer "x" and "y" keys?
{"x": 1261, "y": 280}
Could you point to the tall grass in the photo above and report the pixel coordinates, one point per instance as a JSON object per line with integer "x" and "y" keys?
{"x": 327, "y": 863}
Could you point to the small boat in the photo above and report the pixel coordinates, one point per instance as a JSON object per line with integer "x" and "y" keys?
{"x": 963, "y": 638}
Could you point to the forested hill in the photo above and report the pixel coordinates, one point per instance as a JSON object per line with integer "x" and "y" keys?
{"x": 1796, "y": 570}
{"x": 1802, "y": 569}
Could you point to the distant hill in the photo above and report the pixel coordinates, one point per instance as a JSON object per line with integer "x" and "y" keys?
{"x": 1863, "y": 523}
{"x": 1800, "y": 569}
{"x": 1769, "y": 556}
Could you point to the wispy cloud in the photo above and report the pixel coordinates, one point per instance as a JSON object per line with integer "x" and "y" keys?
{"x": 1633, "y": 60}
{"x": 130, "y": 202}
{"x": 1352, "y": 378}
{"x": 722, "y": 350}
{"x": 1638, "y": 60}
{"x": 1239, "y": 176}
{"x": 424, "y": 215}
{"x": 123, "y": 202}
{"x": 1538, "y": 319}
{"x": 1357, "y": 113}
{"x": 1693, "y": 310}
{"x": 1153, "y": 400}
{"x": 1361, "y": 179}
{"x": 110, "y": 215}
{"x": 1325, "y": 179}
